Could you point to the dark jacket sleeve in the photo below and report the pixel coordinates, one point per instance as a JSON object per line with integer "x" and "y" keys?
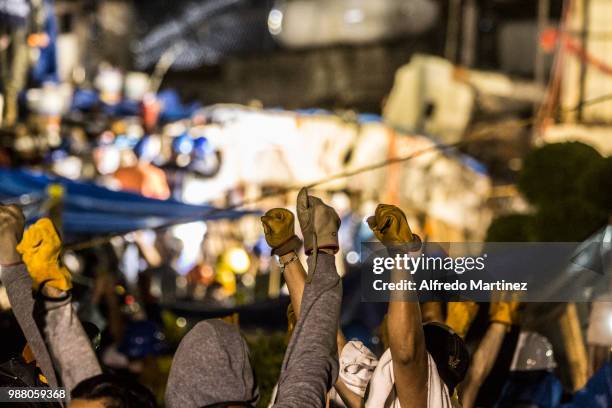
{"x": 310, "y": 366}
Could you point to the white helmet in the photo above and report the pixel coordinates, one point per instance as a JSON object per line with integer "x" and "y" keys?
{"x": 533, "y": 352}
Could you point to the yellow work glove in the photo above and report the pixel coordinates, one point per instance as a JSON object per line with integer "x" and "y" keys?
{"x": 504, "y": 312}
{"x": 460, "y": 316}
{"x": 28, "y": 357}
{"x": 40, "y": 249}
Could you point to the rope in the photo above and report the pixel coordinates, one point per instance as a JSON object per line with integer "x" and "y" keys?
{"x": 438, "y": 148}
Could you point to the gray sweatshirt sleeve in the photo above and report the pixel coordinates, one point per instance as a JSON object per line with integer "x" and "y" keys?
{"x": 310, "y": 366}
{"x": 70, "y": 348}
{"x": 18, "y": 285}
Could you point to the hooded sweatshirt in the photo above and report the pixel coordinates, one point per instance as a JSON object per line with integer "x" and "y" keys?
{"x": 53, "y": 331}
{"x": 211, "y": 366}
{"x": 310, "y": 366}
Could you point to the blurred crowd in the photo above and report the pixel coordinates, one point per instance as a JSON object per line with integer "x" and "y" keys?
{"x": 253, "y": 311}
{"x": 116, "y": 343}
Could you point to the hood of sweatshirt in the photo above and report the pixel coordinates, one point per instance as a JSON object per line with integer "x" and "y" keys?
{"x": 211, "y": 366}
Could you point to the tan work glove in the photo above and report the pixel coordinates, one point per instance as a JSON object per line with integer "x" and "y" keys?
{"x": 319, "y": 223}
{"x": 40, "y": 249}
{"x": 278, "y": 226}
{"x": 391, "y": 228}
{"x": 460, "y": 316}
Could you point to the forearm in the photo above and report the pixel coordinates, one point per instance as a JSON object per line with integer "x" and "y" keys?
{"x": 66, "y": 339}
{"x": 404, "y": 323}
{"x": 350, "y": 399}
{"x": 310, "y": 366}
{"x": 19, "y": 291}
{"x": 407, "y": 344}
{"x": 406, "y": 339}
{"x": 482, "y": 363}
{"x": 295, "y": 277}
{"x": 341, "y": 341}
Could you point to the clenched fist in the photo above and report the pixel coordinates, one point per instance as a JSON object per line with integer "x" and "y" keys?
{"x": 504, "y": 312}
{"x": 279, "y": 229}
{"x": 319, "y": 223}
{"x": 390, "y": 225}
{"x": 41, "y": 248}
{"x": 12, "y": 222}
{"x": 278, "y": 225}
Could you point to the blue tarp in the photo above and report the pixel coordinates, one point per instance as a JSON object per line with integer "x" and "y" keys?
{"x": 172, "y": 109}
{"x": 90, "y": 209}
{"x": 598, "y": 391}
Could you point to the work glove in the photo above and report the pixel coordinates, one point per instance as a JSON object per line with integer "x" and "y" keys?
{"x": 40, "y": 249}
{"x": 504, "y": 312}
{"x": 391, "y": 228}
{"x": 278, "y": 226}
{"x": 460, "y": 316}
{"x": 319, "y": 223}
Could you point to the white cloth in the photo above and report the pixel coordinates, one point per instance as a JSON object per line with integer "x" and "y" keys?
{"x": 382, "y": 389}
{"x": 357, "y": 364}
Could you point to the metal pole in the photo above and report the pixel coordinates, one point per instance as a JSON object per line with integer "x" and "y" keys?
{"x": 543, "y": 13}
{"x": 584, "y": 39}
{"x": 452, "y": 30}
{"x": 470, "y": 29}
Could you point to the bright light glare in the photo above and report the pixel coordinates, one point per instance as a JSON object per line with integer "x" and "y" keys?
{"x": 352, "y": 257}
{"x": 191, "y": 235}
{"x": 238, "y": 260}
{"x": 275, "y": 22}
{"x": 190, "y": 232}
{"x": 353, "y": 16}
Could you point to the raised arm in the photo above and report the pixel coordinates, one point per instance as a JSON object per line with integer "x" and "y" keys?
{"x": 279, "y": 229}
{"x": 404, "y": 325}
{"x": 502, "y": 316}
{"x": 18, "y": 283}
{"x": 482, "y": 362}
{"x": 278, "y": 225}
{"x": 67, "y": 342}
{"x": 310, "y": 366}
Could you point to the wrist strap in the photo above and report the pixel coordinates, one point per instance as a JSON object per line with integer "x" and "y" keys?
{"x": 283, "y": 265}
{"x": 292, "y": 244}
{"x": 415, "y": 245}
{"x": 11, "y": 264}
{"x": 65, "y": 295}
